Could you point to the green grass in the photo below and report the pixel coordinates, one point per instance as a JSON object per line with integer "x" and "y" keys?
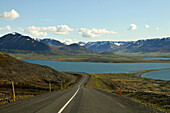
{"x": 114, "y": 58}
{"x": 145, "y": 55}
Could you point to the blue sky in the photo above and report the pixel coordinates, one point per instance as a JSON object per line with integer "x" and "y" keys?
{"x": 86, "y": 20}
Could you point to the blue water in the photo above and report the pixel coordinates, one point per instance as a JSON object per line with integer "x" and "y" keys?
{"x": 158, "y": 58}
{"x": 89, "y": 67}
{"x": 163, "y": 75}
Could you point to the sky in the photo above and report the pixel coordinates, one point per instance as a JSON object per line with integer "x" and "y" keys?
{"x": 86, "y": 20}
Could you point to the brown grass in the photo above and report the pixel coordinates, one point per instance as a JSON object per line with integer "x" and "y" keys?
{"x": 140, "y": 89}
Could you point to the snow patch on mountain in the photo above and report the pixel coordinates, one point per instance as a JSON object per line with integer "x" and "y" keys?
{"x": 118, "y": 44}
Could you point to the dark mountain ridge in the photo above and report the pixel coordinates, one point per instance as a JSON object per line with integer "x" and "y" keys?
{"x": 149, "y": 45}
{"x": 16, "y": 41}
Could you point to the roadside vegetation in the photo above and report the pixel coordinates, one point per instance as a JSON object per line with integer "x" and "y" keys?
{"x": 29, "y": 89}
{"x": 30, "y": 79}
{"x": 155, "y": 93}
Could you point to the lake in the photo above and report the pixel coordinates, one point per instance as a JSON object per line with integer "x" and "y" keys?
{"x": 163, "y": 75}
{"x": 91, "y": 67}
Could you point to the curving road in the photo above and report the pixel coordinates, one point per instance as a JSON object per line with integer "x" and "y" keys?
{"x": 77, "y": 100}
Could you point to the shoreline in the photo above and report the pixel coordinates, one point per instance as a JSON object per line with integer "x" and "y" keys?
{"x": 140, "y": 73}
{"x": 101, "y": 60}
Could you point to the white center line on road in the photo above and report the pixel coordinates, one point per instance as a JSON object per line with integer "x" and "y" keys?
{"x": 61, "y": 110}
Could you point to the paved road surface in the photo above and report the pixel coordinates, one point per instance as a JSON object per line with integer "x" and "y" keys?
{"x": 77, "y": 100}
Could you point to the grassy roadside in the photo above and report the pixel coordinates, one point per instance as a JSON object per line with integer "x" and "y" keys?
{"x": 25, "y": 90}
{"x": 155, "y": 93}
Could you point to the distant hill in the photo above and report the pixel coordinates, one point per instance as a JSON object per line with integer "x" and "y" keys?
{"x": 76, "y": 49}
{"x": 149, "y": 45}
{"x": 53, "y": 42}
{"x": 12, "y": 69}
{"x": 72, "y": 48}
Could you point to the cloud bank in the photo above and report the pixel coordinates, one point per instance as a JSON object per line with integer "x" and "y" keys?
{"x": 34, "y": 32}
{"x": 37, "y": 31}
{"x": 94, "y": 32}
{"x": 63, "y": 30}
{"x": 6, "y": 28}
{"x": 11, "y": 15}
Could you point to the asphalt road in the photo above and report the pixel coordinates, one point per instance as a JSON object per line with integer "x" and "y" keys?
{"x": 77, "y": 100}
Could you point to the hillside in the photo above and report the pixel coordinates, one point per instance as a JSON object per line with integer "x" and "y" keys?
{"x": 15, "y": 70}
{"x": 53, "y": 42}
{"x": 75, "y": 49}
{"x": 30, "y": 79}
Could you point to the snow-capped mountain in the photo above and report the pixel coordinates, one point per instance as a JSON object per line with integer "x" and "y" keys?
{"x": 148, "y": 45}
{"x": 16, "y": 41}
{"x": 101, "y": 46}
{"x": 105, "y": 46}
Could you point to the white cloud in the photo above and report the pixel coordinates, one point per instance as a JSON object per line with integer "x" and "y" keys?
{"x": 157, "y": 28}
{"x": 63, "y": 30}
{"x": 147, "y": 26}
{"x": 34, "y": 32}
{"x": 50, "y": 28}
{"x": 11, "y": 15}
{"x": 69, "y": 41}
{"x": 6, "y": 28}
{"x": 132, "y": 27}
{"x": 94, "y": 32}
{"x": 59, "y": 30}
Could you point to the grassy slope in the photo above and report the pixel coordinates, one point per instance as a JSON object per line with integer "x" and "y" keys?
{"x": 30, "y": 79}
{"x": 143, "y": 90}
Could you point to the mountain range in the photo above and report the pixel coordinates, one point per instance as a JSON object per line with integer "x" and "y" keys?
{"x": 15, "y": 42}
{"x": 144, "y": 46}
